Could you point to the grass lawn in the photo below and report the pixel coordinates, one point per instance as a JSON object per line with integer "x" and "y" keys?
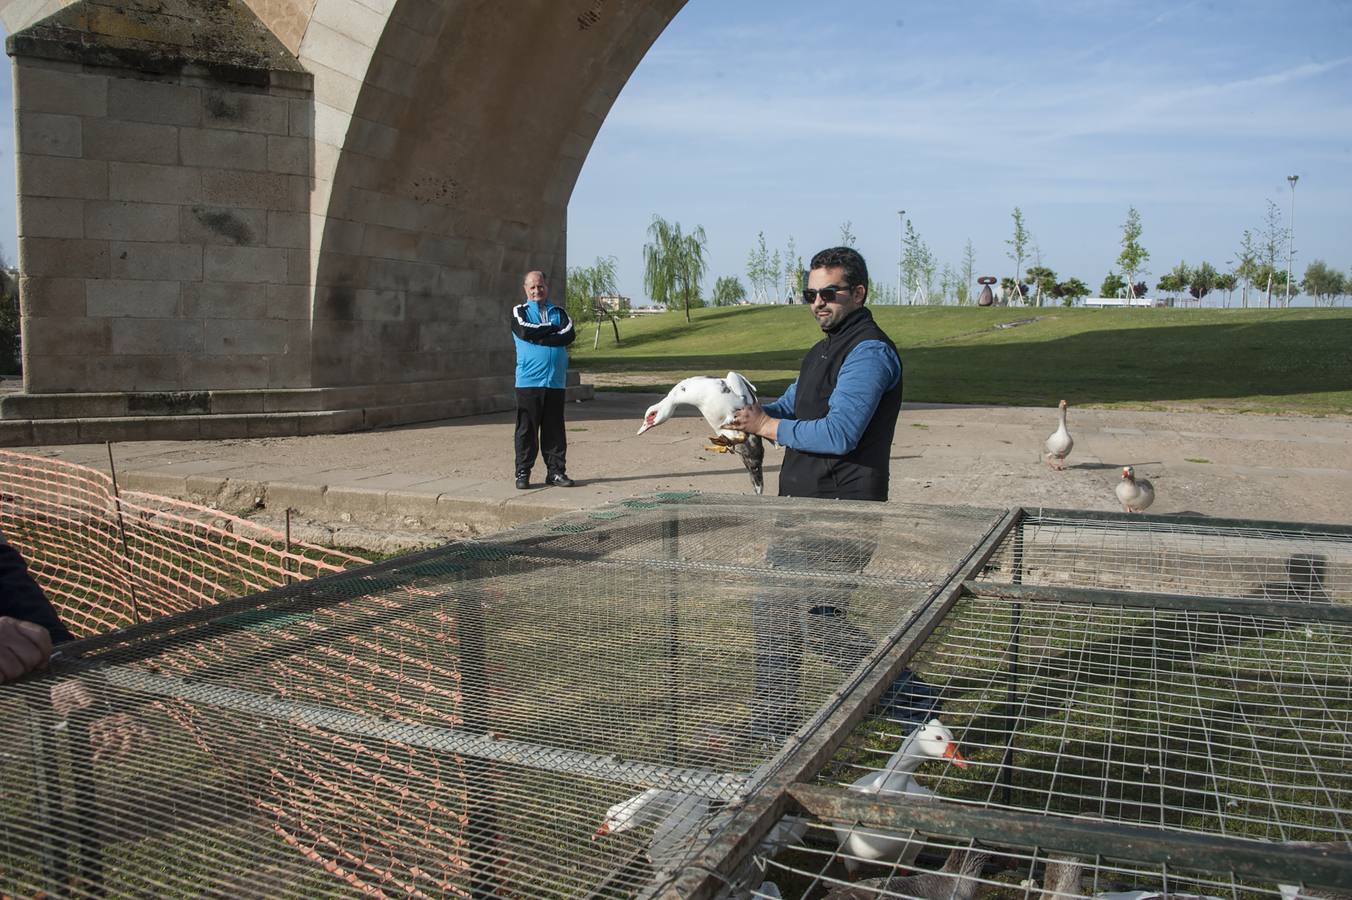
{"x": 1269, "y": 361}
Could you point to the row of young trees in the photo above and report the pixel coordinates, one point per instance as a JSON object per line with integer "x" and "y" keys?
{"x": 675, "y": 264}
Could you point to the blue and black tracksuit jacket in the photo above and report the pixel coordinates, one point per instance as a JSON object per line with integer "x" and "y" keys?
{"x": 541, "y": 332}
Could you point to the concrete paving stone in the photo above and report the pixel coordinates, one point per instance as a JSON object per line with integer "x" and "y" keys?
{"x": 295, "y": 495}
{"x": 346, "y": 498}
{"x": 389, "y": 481}
{"x": 270, "y": 425}
{"x": 154, "y": 482}
{"x": 411, "y": 502}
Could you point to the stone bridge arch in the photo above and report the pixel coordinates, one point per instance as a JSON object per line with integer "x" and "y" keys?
{"x": 293, "y": 216}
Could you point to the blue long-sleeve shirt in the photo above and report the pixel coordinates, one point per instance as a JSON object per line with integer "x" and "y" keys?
{"x": 871, "y": 370}
{"x": 542, "y": 332}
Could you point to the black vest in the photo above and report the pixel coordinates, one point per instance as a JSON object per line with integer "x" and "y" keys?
{"x": 861, "y": 474}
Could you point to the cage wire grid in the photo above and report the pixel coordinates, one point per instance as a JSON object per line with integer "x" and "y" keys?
{"x": 459, "y": 721}
{"x": 1181, "y": 688}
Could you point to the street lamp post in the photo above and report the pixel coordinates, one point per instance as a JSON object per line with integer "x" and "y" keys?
{"x": 901, "y": 248}
{"x": 1291, "y": 236}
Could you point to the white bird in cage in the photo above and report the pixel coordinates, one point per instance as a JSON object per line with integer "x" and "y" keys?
{"x": 929, "y": 741}
{"x": 1059, "y": 444}
{"x": 677, "y": 817}
{"x": 716, "y": 399}
{"x": 1135, "y": 494}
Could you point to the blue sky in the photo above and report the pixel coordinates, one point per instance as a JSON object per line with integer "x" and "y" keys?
{"x": 792, "y": 117}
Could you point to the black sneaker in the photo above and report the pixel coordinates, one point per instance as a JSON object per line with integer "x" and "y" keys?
{"x": 522, "y": 480}
{"x": 558, "y": 479}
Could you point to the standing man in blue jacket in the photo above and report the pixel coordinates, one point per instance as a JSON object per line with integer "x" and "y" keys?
{"x": 541, "y": 331}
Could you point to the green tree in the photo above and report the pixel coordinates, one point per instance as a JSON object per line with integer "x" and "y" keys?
{"x": 1176, "y": 280}
{"x": 968, "y": 274}
{"x": 1227, "y": 282}
{"x": 1010, "y": 290}
{"x": 1069, "y": 291}
{"x": 1272, "y": 274}
{"x": 1246, "y": 264}
{"x": 9, "y": 323}
{"x": 846, "y": 235}
{"x": 1323, "y": 283}
{"x": 582, "y": 288}
{"x": 793, "y": 272}
{"x": 1202, "y": 281}
{"x": 728, "y": 291}
{"x": 674, "y": 264}
{"x": 1114, "y": 285}
{"x": 948, "y": 283}
{"x": 1018, "y": 244}
{"x": 761, "y": 271}
{"x": 1133, "y": 257}
{"x": 1042, "y": 280}
{"x": 915, "y": 258}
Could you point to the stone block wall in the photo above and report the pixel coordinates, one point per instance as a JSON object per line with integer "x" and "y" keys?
{"x": 163, "y": 228}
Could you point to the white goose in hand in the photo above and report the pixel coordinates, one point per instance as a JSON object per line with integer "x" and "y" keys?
{"x": 931, "y": 741}
{"x": 716, "y": 399}
{"x": 1059, "y": 444}
{"x": 1135, "y": 494}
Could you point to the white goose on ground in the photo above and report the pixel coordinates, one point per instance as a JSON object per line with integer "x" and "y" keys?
{"x": 1135, "y": 494}
{"x": 716, "y": 399}
{"x": 1059, "y": 444}
{"x": 861, "y": 843}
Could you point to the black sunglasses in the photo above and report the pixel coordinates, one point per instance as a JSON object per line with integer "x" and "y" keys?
{"x": 828, "y": 294}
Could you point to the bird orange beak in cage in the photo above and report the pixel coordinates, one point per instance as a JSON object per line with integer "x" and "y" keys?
{"x": 952, "y": 755}
{"x": 602, "y": 831}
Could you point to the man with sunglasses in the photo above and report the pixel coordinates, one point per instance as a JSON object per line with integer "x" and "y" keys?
{"x": 837, "y": 420}
{"x": 542, "y": 333}
{"x": 836, "y": 423}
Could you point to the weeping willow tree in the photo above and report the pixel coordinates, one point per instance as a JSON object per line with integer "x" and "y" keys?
{"x": 586, "y": 285}
{"x": 673, "y": 263}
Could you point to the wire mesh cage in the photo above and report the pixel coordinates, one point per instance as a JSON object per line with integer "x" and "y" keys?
{"x": 1164, "y": 706}
{"x": 674, "y": 696}
{"x": 569, "y": 709}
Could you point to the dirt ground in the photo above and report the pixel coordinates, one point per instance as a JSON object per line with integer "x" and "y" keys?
{"x": 1212, "y": 464}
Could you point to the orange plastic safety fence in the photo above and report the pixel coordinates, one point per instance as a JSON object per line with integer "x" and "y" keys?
{"x": 69, "y": 524}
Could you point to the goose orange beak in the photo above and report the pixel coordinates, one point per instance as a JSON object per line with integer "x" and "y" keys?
{"x": 602, "y": 831}
{"x": 952, "y": 755}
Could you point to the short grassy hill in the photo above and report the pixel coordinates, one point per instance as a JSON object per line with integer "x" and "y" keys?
{"x": 1271, "y": 361}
